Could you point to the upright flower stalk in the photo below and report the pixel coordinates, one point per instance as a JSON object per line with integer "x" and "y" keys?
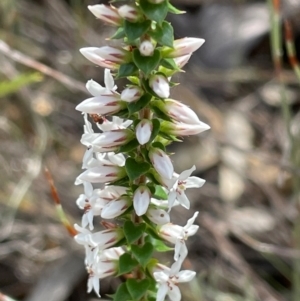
{"x": 128, "y": 176}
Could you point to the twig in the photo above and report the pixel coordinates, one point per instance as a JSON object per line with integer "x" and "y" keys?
{"x": 29, "y": 62}
{"x": 60, "y": 212}
{"x": 264, "y": 247}
{"x": 289, "y": 42}
{"x": 229, "y": 252}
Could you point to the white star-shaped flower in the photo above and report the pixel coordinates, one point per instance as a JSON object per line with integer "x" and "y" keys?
{"x": 179, "y": 184}
{"x": 168, "y": 282}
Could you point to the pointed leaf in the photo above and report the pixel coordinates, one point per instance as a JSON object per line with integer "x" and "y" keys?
{"x": 136, "y": 169}
{"x": 159, "y": 145}
{"x": 169, "y": 64}
{"x": 135, "y": 30}
{"x": 132, "y": 145}
{"x": 155, "y": 129}
{"x": 163, "y": 34}
{"x": 127, "y": 70}
{"x": 146, "y": 63}
{"x": 126, "y": 264}
{"x": 140, "y": 104}
{"x": 160, "y": 194}
{"x": 119, "y": 34}
{"x": 122, "y": 293}
{"x": 133, "y": 232}
{"x": 142, "y": 254}
{"x": 174, "y": 10}
{"x": 155, "y": 12}
{"x": 137, "y": 289}
{"x": 158, "y": 244}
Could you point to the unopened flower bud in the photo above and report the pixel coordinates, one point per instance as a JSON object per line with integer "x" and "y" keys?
{"x": 115, "y": 208}
{"x": 178, "y": 111}
{"x": 160, "y": 85}
{"x": 104, "y": 104}
{"x": 146, "y": 48}
{"x": 181, "y": 61}
{"x": 161, "y": 162}
{"x": 106, "y": 13}
{"x": 113, "y": 138}
{"x": 101, "y": 174}
{"x": 143, "y": 131}
{"x": 158, "y": 216}
{"x": 129, "y": 13}
{"x": 183, "y": 129}
{"x": 131, "y": 93}
{"x": 107, "y": 57}
{"x": 183, "y": 47}
{"x": 141, "y": 200}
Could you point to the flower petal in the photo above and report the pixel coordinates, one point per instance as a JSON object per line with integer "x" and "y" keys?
{"x": 185, "y": 174}
{"x": 161, "y": 292}
{"x": 185, "y": 276}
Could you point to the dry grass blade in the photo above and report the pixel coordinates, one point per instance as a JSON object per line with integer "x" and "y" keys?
{"x": 29, "y": 62}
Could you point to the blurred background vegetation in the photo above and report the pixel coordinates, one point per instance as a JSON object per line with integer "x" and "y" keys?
{"x": 248, "y": 245}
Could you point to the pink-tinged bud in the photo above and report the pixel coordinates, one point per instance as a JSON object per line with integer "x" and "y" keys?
{"x": 182, "y": 47}
{"x": 106, "y": 238}
{"x": 178, "y": 111}
{"x": 113, "y": 138}
{"x": 161, "y": 163}
{"x": 181, "y": 61}
{"x": 103, "y": 105}
{"x": 106, "y": 13}
{"x": 131, "y": 93}
{"x": 129, "y": 13}
{"x": 141, "y": 200}
{"x": 160, "y": 85}
{"x": 107, "y": 57}
{"x": 146, "y": 48}
{"x": 115, "y": 208}
{"x": 143, "y": 131}
{"x": 158, "y": 216}
{"x": 183, "y": 129}
{"x": 101, "y": 174}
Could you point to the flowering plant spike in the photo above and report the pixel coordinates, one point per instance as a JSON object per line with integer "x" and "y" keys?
{"x": 129, "y": 178}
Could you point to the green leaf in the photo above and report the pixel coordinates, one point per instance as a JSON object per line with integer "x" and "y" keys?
{"x": 136, "y": 169}
{"x": 160, "y": 193}
{"x": 133, "y": 144}
{"x": 140, "y": 104}
{"x": 160, "y": 114}
{"x": 146, "y": 63}
{"x": 126, "y": 264}
{"x": 122, "y": 182}
{"x": 159, "y": 145}
{"x": 15, "y": 84}
{"x": 122, "y": 293}
{"x": 158, "y": 244}
{"x": 137, "y": 288}
{"x": 169, "y": 64}
{"x": 163, "y": 34}
{"x": 174, "y": 10}
{"x": 155, "y": 12}
{"x": 155, "y": 129}
{"x": 153, "y": 233}
{"x": 126, "y": 70}
{"x": 133, "y": 232}
{"x": 135, "y": 30}
{"x": 119, "y": 34}
{"x": 142, "y": 254}
{"x": 134, "y": 79}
